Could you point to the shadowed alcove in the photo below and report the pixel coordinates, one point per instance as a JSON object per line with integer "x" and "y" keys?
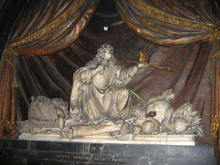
{"x": 50, "y": 41}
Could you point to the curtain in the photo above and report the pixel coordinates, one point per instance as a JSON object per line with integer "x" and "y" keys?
{"x": 43, "y": 27}
{"x": 180, "y": 23}
{"x": 170, "y": 23}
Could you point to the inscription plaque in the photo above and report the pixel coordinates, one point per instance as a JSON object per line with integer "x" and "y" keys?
{"x": 41, "y": 152}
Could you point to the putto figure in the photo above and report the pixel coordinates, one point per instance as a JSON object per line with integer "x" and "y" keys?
{"x": 93, "y": 98}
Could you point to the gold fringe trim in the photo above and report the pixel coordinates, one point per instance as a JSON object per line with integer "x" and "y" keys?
{"x": 52, "y": 26}
{"x": 215, "y": 34}
{"x": 158, "y": 14}
{"x": 215, "y": 126}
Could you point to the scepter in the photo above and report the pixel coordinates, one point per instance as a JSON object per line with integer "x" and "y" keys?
{"x": 145, "y": 59}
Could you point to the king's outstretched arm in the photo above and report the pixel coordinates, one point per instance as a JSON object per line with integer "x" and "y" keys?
{"x": 129, "y": 73}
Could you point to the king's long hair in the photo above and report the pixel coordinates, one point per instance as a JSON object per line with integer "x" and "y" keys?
{"x": 99, "y": 58}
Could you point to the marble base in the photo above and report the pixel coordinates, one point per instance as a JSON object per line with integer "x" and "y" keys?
{"x": 162, "y": 139}
{"x": 31, "y": 152}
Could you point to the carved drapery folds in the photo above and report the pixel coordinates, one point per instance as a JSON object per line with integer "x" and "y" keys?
{"x": 179, "y": 23}
{"x": 42, "y": 28}
{"x": 47, "y": 27}
{"x": 169, "y": 23}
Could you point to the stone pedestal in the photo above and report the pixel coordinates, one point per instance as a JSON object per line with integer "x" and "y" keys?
{"x": 162, "y": 139}
{"x": 48, "y": 152}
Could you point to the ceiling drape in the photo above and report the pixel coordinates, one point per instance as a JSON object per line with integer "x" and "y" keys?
{"x": 180, "y": 23}
{"x": 42, "y": 28}
{"x": 170, "y": 23}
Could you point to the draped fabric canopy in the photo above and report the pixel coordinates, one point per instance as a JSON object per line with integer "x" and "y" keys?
{"x": 42, "y": 28}
{"x": 51, "y": 39}
{"x": 45, "y": 27}
{"x": 169, "y": 23}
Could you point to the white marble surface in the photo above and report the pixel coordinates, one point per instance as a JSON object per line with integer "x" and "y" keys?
{"x": 185, "y": 140}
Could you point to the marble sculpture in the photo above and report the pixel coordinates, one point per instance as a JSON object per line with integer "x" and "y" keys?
{"x": 100, "y": 106}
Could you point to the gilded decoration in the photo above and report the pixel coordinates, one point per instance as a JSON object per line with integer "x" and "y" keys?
{"x": 213, "y": 80}
{"x": 165, "y": 17}
{"x": 52, "y": 25}
{"x": 215, "y": 126}
{"x": 215, "y": 35}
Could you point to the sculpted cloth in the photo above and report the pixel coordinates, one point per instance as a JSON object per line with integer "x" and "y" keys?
{"x": 92, "y": 98}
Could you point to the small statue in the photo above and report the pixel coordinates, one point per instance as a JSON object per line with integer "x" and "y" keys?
{"x": 93, "y": 99}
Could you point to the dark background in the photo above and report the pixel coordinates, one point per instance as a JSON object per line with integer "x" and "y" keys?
{"x": 8, "y": 14}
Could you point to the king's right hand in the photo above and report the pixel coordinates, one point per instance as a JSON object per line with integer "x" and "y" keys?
{"x": 100, "y": 68}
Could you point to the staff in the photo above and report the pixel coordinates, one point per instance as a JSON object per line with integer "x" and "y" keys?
{"x": 145, "y": 59}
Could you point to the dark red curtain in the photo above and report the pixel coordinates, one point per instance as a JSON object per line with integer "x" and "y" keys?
{"x": 170, "y": 23}
{"x": 43, "y": 27}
